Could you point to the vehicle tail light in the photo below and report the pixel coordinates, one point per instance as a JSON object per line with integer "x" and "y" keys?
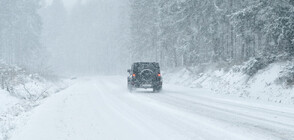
{"x": 134, "y": 75}
{"x": 159, "y": 75}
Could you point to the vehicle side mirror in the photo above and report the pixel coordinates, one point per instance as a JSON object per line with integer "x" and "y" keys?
{"x": 129, "y": 71}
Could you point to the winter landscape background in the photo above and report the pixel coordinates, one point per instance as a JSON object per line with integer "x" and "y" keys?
{"x": 233, "y": 48}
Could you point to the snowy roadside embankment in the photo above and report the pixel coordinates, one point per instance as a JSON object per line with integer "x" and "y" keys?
{"x": 101, "y": 108}
{"x": 274, "y": 83}
{"x": 19, "y": 93}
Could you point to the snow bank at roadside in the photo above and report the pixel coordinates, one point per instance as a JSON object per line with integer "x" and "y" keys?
{"x": 273, "y": 83}
{"x": 21, "y": 92}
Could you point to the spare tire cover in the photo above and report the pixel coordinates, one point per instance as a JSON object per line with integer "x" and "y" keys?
{"x": 146, "y": 75}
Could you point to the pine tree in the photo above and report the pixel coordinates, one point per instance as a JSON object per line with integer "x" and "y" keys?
{"x": 196, "y": 32}
{"x": 20, "y": 30}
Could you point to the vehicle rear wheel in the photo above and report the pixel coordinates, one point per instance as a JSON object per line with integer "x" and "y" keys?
{"x": 130, "y": 88}
{"x": 156, "y": 90}
{"x": 159, "y": 89}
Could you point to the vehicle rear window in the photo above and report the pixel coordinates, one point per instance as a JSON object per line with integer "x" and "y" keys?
{"x": 141, "y": 66}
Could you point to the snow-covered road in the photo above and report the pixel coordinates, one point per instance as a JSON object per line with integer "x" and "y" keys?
{"x": 101, "y": 108}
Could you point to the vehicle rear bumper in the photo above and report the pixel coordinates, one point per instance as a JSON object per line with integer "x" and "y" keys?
{"x": 148, "y": 85}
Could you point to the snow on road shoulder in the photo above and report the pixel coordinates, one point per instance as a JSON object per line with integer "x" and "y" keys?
{"x": 15, "y": 107}
{"x": 6, "y": 101}
{"x": 265, "y": 85}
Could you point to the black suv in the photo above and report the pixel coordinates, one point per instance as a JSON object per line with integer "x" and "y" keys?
{"x": 145, "y": 75}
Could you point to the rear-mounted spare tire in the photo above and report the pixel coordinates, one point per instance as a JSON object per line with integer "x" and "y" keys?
{"x": 147, "y": 75}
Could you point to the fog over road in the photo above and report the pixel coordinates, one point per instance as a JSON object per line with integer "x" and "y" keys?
{"x": 102, "y": 108}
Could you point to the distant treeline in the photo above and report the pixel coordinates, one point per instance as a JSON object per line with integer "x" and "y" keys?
{"x": 20, "y": 32}
{"x": 193, "y": 32}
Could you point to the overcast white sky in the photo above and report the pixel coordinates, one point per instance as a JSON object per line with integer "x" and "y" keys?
{"x": 68, "y": 3}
